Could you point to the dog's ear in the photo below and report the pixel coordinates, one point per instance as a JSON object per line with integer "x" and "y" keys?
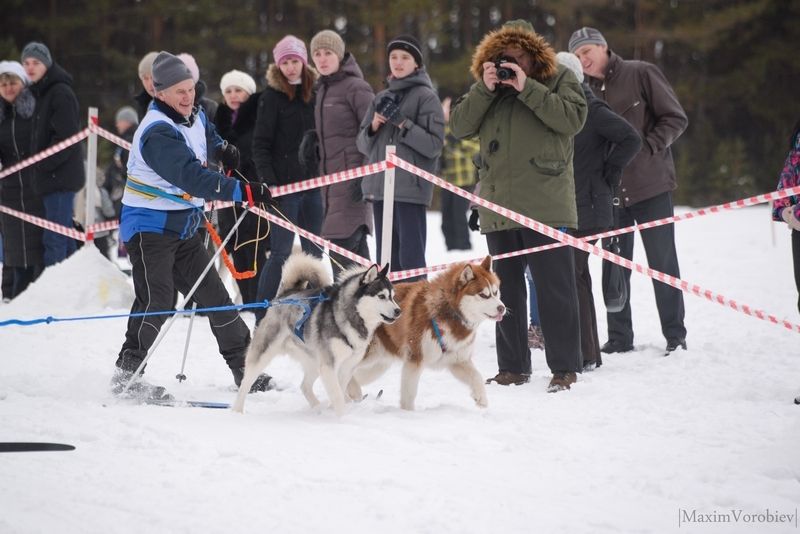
{"x": 384, "y": 271}
{"x": 370, "y": 275}
{"x": 466, "y": 275}
{"x": 487, "y": 263}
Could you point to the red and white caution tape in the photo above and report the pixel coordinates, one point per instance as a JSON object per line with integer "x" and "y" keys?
{"x": 329, "y": 179}
{"x": 44, "y": 223}
{"x": 110, "y": 136}
{"x": 46, "y": 153}
{"x": 571, "y": 241}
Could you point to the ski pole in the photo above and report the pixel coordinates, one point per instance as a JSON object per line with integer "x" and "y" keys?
{"x": 182, "y": 303}
{"x": 181, "y": 376}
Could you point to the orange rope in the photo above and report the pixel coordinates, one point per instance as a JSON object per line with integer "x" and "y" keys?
{"x": 225, "y": 257}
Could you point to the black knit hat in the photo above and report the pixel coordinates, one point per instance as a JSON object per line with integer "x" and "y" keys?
{"x": 169, "y": 70}
{"x": 408, "y": 44}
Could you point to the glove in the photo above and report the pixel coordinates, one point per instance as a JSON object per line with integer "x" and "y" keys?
{"x": 389, "y": 109}
{"x": 228, "y": 156}
{"x": 789, "y": 217}
{"x": 257, "y": 193}
{"x": 474, "y": 221}
{"x": 612, "y": 175}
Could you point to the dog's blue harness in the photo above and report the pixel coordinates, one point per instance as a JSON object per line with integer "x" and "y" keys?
{"x": 308, "y": 304}
{"x": 438, "y": 333}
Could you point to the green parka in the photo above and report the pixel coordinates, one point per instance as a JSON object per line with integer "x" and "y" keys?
{"x": 526, "y": 138}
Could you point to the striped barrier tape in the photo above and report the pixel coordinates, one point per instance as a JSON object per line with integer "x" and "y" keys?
{"x": 46, "y": 153}
{"x": 44, "y": 223}
{"x": 597, "y": 251}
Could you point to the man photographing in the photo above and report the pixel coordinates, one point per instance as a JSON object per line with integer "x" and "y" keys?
{"x": 526, "y": 123}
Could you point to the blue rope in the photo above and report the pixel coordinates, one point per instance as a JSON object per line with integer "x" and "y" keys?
{"x": 263, "y": 304}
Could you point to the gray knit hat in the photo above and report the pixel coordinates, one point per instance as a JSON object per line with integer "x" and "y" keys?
{"x": 127, "y": 113}
{"x": 584, "y": 36}
{"x": 328, "y": 39}
{"x": 169, "y": 70}
{"x": 37, "y": 51}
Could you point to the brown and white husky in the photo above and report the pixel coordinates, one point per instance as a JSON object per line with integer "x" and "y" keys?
{"x": 436, "y": 329}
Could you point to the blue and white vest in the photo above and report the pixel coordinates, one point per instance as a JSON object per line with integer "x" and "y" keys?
{"x": 140, "y": 171}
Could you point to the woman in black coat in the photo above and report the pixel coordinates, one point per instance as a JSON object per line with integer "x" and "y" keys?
{"x": 22, "y": 241}
{"x": 235, "y": 121}
{"x": 285, "y": 113}
{"x": 603, "y": 148}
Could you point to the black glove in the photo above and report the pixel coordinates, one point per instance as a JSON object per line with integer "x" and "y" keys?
{"x": 228, "y": 156}
{"x": 308, "y": 153}
{"x": 612, "y": 175}
{"x": 257, "y": 193}
{"x": 474, "y": 221}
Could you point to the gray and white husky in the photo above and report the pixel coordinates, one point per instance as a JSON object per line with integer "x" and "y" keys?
{"x": 340, "y": 320}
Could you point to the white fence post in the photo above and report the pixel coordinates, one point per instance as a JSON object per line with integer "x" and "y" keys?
{"x": 91, "y": 172}
{"x": 388, "y": 210}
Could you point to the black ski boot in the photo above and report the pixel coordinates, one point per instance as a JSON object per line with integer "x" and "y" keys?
{"x": 139, "y": 390}
{"x": 264, "y": 382}
{"x": 127, "y": 363}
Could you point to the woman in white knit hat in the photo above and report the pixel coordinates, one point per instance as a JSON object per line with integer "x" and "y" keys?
{"x": 235, "y": 121}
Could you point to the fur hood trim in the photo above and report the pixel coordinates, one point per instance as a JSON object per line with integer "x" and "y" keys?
{"x": 493, "y": 44}
{"x": 274, "y": 76}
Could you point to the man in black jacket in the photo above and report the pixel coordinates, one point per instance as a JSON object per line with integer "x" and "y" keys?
{"x": 639, "y": 93}
{"x": 61, "y": 175}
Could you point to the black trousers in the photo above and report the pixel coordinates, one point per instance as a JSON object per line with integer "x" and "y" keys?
{"x": 590, "y": 341}
{"x": 659, "y": 245}
{"x": 796, "y": 256}
{"x": 409, "y": 235}
{"x": 160, "y": 265}
{"x": 554, "y": 272}
{"x": 454, "y": 220}
{"x": 357, "y": 243}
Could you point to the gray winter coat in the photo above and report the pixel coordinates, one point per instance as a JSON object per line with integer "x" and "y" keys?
{"x": 419, "y": 142}
{"x": 342, "y": 99}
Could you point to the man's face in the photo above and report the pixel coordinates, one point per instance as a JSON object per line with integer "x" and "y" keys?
{"x": 522, "y": 58}
{"x": 594, "y": 59}
{"x": 179, "y": 97}
{"x": 147, "y": 83}
{"x": 34, "y": 68}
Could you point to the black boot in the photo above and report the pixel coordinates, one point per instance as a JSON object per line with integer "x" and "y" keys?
{"x": 264, "y": 382}
{"x": 128, "y": 362}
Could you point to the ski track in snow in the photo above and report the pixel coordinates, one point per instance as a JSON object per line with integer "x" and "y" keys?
{"x": 712, "y": 429}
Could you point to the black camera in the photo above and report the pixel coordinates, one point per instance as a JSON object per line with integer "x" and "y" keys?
{"x": 387, "y": 107}
{"x": 505, "y": 73}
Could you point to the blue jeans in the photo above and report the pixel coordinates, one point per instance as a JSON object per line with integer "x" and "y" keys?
{"x": 533, "y": 303}
{"x": 409, "y": 235}
{"x": 58, "y": 209}
{"x": 304, "y": 210}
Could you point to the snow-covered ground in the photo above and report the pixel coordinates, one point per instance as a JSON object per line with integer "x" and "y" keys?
{"x": 644, "y": 444}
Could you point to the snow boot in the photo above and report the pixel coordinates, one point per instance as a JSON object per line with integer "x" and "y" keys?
{"x": 140, "y": 390}
{"x": 264, "y": 382}
{"x": 561, "y": 381}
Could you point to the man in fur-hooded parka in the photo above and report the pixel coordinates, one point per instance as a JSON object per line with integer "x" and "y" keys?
{"x": 525, "y": 136}
{"x": 526, "y": 126}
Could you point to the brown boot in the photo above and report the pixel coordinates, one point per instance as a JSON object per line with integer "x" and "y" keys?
{"x": 561, "y": 381}
{"x": 506, "y": 378}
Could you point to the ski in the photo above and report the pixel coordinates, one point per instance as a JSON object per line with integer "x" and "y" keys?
{"x": 172, "y": 403}
{"x": 33, "y": 446}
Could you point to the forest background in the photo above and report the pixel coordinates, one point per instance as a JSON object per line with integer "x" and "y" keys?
{"x": 733, "y": 63}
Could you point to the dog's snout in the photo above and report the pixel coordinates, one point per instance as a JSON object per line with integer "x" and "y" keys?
{"x": 397, "y": 312}
{"x": 501, "y": 309}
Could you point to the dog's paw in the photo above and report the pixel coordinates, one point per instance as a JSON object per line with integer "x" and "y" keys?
{"x": 482, "y": 401}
